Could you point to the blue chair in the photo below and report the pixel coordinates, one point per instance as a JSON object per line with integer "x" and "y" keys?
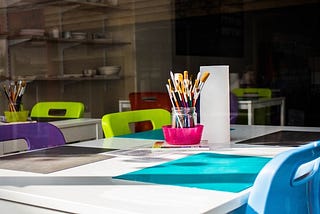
{"x": 37, "y": 135}
{"x": 289, "y": 183}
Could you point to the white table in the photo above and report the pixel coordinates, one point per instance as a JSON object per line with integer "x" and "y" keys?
{"x": 90, "y": 188}
{"x": 251, "y": 105}
{"x": 124, "y": 105}
{"x": 80, "y": 129}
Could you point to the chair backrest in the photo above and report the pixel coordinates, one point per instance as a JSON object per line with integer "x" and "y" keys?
{"x": 148, "y": 100}
{"x": 261, "y": 92}
{"x": 289, "y": 183}
{"x": 115, "y": 124}
{"x": 57, "y": 110}
{"x": 262, "y": 115}
{"x": 233, "y": 108}
{"x": 37, "y": 134}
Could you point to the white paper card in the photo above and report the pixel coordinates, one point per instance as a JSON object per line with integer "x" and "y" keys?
{"x": 214, "y": 105}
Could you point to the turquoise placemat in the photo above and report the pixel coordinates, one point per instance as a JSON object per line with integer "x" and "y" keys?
{"x": 151, "y": 135}
{"x": 156, "y": 134}
{"x": 231, "y": 173}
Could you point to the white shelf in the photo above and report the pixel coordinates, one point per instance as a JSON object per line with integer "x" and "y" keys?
{"x": 43, "y": 3}
{"x": 13, "y": 40}
{"x": 74, "y": 77}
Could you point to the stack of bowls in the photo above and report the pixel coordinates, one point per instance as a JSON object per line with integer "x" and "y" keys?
{"x": 109, "y": 70}
{"x": 78, "y": 35}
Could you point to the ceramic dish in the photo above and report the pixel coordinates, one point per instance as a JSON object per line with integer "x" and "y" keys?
{"x": 109, "y": 70}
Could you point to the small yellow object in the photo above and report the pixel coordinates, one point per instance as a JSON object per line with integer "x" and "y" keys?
{"x": 16, "y": 116}
{"x": 158, "y": 144}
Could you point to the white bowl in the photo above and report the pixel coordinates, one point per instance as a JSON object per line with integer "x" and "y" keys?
{"x": 109, "y": 70}
{"x": 89, "y": 72}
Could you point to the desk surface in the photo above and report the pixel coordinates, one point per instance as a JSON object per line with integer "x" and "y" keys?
{"x": 259, "y": 100}
{"x": 90, "y": 188}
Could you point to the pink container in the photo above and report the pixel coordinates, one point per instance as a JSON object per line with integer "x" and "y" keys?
{"x": 182, "y": 136}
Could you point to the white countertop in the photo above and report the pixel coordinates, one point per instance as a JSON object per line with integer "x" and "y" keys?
{"x": 90, "y": 189}
{"x": 75, "y": 122}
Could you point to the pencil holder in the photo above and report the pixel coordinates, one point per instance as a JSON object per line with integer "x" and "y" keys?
{"x": 184, "y": 117}
{"x": 16, "y": 116}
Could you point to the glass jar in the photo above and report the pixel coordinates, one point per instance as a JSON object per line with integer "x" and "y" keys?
{"x": 184, "y": 117}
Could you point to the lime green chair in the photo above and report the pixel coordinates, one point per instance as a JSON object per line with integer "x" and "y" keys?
{"x": 116, "y": 124}
{"x": 260, "y": 92}
{"x": 47, "y": 111}
{"x": 262, "y": 116}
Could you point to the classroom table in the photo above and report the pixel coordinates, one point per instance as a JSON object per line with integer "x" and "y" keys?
{"x": 244, "y": 103}
{"x": 97, "y": 187}
{"x": 80, "y": 129}
{"x": 251, "y": 104}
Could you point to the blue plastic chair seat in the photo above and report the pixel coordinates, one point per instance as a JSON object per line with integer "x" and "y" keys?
{"x": 289, "y": 183}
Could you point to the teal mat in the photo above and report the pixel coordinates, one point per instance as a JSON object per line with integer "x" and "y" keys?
{"x": 231, "y": 173}
{"x": 156, "y": 134}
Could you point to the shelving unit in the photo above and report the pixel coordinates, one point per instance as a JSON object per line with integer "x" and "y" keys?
{"x": 59, "y": 45}
{"x": 53, "y": 66}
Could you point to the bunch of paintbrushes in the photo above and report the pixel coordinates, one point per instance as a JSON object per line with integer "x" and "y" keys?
{"x": 183, "y": 91}
{"x": 14, "y": 91}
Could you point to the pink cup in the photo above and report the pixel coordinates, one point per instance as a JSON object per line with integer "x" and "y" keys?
{"x": 182, "y": 136}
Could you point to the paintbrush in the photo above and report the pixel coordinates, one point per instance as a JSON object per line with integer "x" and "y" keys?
{"x": 198, "y": 89}
{"x": 11, "y": 104}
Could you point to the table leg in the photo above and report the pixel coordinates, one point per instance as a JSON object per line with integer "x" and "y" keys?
{"x": 99, "y": 133}
{"x": 250, "y": 115}
{"x": 282, "y": 113}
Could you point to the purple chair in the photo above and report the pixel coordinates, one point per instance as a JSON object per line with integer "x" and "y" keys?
{"x": 233, "y": 108}
{"x": 38, "y": 135}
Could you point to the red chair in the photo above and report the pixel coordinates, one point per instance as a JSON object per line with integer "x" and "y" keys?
{"x": 148, "y": 100}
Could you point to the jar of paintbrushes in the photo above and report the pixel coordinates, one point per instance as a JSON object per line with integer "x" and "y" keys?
{"x": 14, "y": 91}
{"x": 184, "y": 93}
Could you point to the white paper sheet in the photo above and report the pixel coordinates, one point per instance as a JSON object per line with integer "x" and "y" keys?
{"x": 214, "y": 105}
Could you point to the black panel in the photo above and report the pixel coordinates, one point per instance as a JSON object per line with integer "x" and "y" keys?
{"x": 284, "y": 138}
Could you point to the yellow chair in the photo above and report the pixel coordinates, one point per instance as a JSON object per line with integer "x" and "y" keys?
{"x": 116, "y": 124}
{"x": 262, "y": 116}
{"x": 46, "y": 111}
{"x": 259, "y": 92}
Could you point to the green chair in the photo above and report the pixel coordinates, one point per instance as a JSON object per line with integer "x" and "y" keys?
{"x": 262, "y": 116}
{"x": 259, "y": 92}
{"x": 116, "y": 124}
{"x": 48, "y": 111}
